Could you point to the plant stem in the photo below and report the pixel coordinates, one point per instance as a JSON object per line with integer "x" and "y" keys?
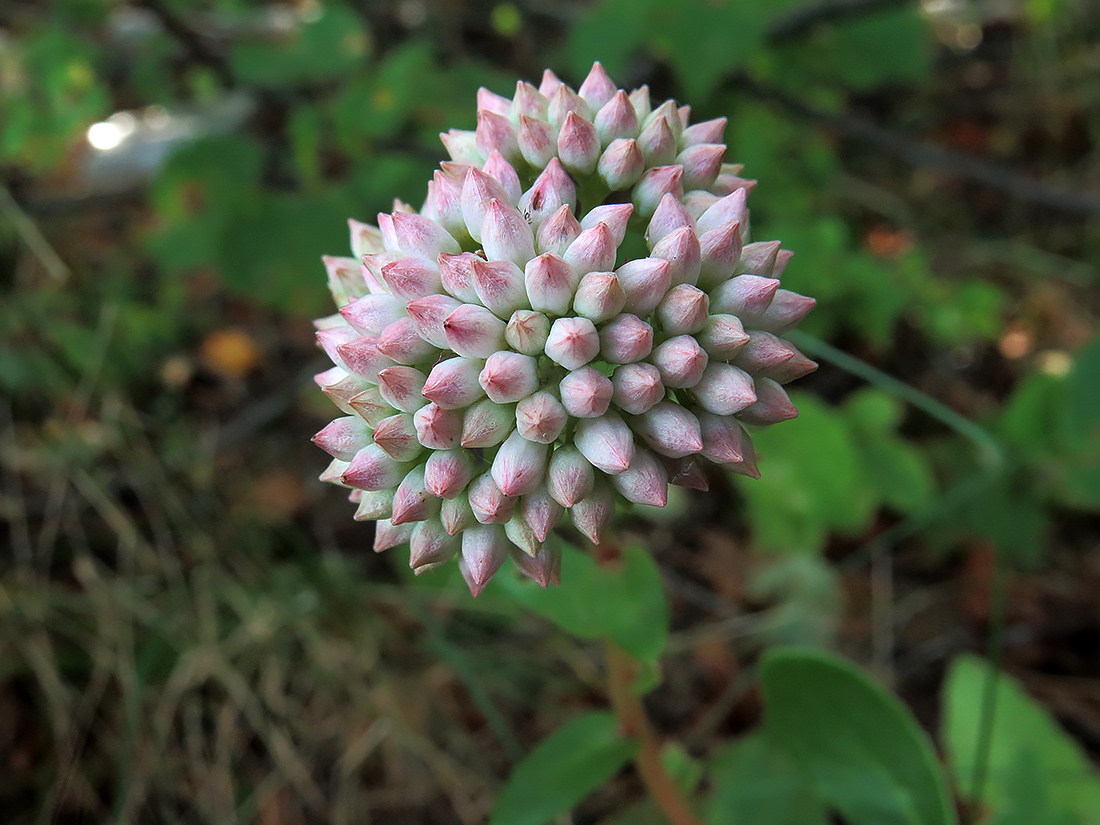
{"x": 621, "y": 672}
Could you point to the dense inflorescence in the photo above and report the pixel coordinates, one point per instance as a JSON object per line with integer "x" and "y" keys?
{"x": 501, "y": 362}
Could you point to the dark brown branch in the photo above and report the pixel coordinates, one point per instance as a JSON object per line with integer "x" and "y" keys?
{"x": 198, "y": 47}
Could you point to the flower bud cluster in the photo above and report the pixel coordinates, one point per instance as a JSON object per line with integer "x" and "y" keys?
{"x": 501, "y": 366}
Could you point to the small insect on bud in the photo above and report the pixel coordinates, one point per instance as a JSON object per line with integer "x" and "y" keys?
{"x": 552, "y": 190}
{"x": 572, "y": 342}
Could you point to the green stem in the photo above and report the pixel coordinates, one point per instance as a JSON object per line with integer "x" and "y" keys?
{"x": 622, "y": 670}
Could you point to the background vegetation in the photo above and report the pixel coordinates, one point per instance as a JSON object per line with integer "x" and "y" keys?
{"x": 194, "y": 630}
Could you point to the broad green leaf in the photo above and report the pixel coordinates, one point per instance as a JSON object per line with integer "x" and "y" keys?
{"x": 880, "y": 48}
{"x": 1025, "y": 740}
{"x": 624, "y": 601}
{"x": 1082, "y": 400}
{"x": 756, "y": 782}
{"x": 565, "y": 767}
{"x": 858, "y": 743}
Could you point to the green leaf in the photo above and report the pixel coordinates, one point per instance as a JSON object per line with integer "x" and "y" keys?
{"x": 859, "y": 744}
{"x": 757, "y": 783}
{"x": 624, "y": 601}
{"x": 564, "y": 768}
{"x": 1025, "y": 740}
{"x": 875, "y": 49}
{"x": 1082, "y": 404}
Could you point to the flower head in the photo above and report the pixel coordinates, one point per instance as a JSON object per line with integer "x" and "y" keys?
{"x": 501, "y": 364}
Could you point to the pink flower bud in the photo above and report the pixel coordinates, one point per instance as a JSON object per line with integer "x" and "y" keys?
{"x": 685, "y": 115}
{"x": 345, "y": 281}
{"x": 495, "y": 132}
{"x": 681, "y": 249}
{"x": 474, "y": 332}
{"x": 412, "y": 502}
{"x": 544, "y": 568}
{"x": 484, "y": 550}
{"x": 639, "y": 99}
{"x": 621, "y": 165}
{"x": 447, "y": 472}
{"x": 452, "y": 384}
{"x": 372, "y": 314}
{"x": 572, "y": 342}
{"x": 724, "y": 389}
{"x": 764, "y": 352}
{"x": 797, "y": 367}
{"x": 564, "y": 101}
{"x": 370, "y": 406}
{"x": 527, "y": 331}
{"x": 489, "y": 503}
{"x": 729, "y": 182}
{"x": 730, "y": 209}
{"x": 410, "y": 278}
{"x": 782, "y": 258}
{"x": 550, "y": 283}
{"x": 540, "y": 512}
{"x": 625, "y": 339}
{"x": 725, "y": 442}
{"x": 687, "y": 472}
{"x": 698, "y": 201}
{"x": 456, "y": 272}
{"x": 340, "y": 386}
{"x": 772, "y": 404}
{"x": 615, "y": 215}
{"x": 505, "y": 234}
{"x": 681, "y": 361}
{"x": 461, "y": 145}
{"x": 492, "y": 102}
{"x": 570, "y": 476}
{"x": 645, "y": 282}
{"x": 720, "y": 251}
{"x": 456, "y": 515}
{"x": 487, "y": 423}
{"x": 429, "y": 544}
{"x": 361, "y": 356}
{"x": 537, "y": 141}
{"x": 592, "y": 512}
{"x": 657, "y": 142}
{"x": 373, "y": 469}
{"x": 331, "y": 338}
{"x": 334, "y": 473}
{"x": 637, "y": 387}
{"x": 759, "y": 258}
{"x": 670, "y": 429}
{"x": 558, "y": 231}
{"x": 667, "y": 112}
{"x": 606, "y": 442}
{"x": 722, "y": 337}
{"x": 528, "y": 101}
{"x": 541, "y": 417}
{"x": 578, "y": 145}
{"x": 499, "y": 285}
{"x": 519, "y": 465}
{"x": 396, "y": 435}
{"x": 706, "y": 131}
{"x": 509, "y": 376}
{"x": 373, "y": 505}
{"x": 654, "y": 185}
{"x": 683, "y": 310}
{"x": 478, "y": 191}
{"x": 784, "y": 313}
{"x": 389, "y": 233}
{"x": 520, "y": 534}
{"x": 388, "y": 535}
{"x": 422, "y": 237}
{"x": 599, "y": 297}
{"x": 503, "y": 173}
{"x": 365, "y": 239}
{"x": 552, "y": 189}
{"x": 593, "y": 250}
{"x": 645, "y": 481}
{"x": 344, "y": 437}
{"x": 427, "y": 315}
{"x": 550, "y": 83}
{"x": 670, "y": 216}
{"x": 437, "y": 428}
{"x": 400, "y": 342}
{"x": 401, "y": 387}
{"x": 442, "y": 204}
{"x": 586, "y": 393}
{"x": 616, "y": 119}
{"x": 746, "y": 296}
{"x": 597, "y": 87}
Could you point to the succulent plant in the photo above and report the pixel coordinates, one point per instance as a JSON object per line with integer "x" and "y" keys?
{"x": 501, "y": 363}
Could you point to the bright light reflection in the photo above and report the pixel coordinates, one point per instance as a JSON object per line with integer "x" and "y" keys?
{"x": 108, "y": 134}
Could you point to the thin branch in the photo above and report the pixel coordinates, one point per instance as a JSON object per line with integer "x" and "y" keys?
{"x": 955, "y": 164}
{"x": 198, "y": 47}
{"x": 32, "y": 236}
